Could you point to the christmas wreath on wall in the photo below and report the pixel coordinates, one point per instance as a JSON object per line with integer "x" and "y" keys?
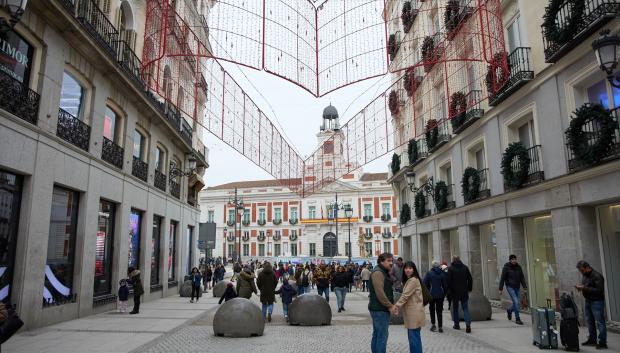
{"x": 393, "y": 103}
{"x": 432, "y": 133}
{"x": 458, "y": 109}
{"x": 407, "y": 16}
{"x": 408, "y": 81}
{"x": 497, "y": 73}
{"x": 412, "y": 151}
{"x": 420, "y": 205}
{"x": 470, "y": 184}
{"x": 591, "y": 150}
{"x": 452, "y": 18}
{"x": 395, "y": 163}
{"x": 405, "y": 214}
{"x": 441, "y": 195}
{"x": 428, "y": 53}
{"x": 571, "y": 21}
{"x": 392, "y": 46}
{"x": 515, "y": 178}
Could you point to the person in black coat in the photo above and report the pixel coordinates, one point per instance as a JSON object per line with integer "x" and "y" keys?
{"x": 435, "y": 281}
{"x": 460, "y": 283}
{"x": 340, "y": 283}
{"x": 592, "y": 287}
{"x": 228, "y": 294}
{"x": 287, "y": 292}
{"x": 512, "y": 276}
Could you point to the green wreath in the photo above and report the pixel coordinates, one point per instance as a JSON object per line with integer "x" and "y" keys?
{"x": 432, "y": 133}
{"x": 420, "y": 205}
{"x": 395, "y": 163}
{"x": 591, "y": 150}
{"x": 393, "y": 103}
{"x": 392, "y": 46}
{"x": 470, "y": 184}
{"x": 497, "y": 73}
{"x": 408, "y": 81}
{"x": 412, "y": 151}
{"x": 518, "y": 178}
{"x": 405, "y": 214}
{"x": 451, "y": 17}
{"x": 441, "y": 195}
{"x": 428, "y": 53}
{"x": 407, "y": 16}
{"x": 551, "y": 30}
{"x": 458, "y": 109}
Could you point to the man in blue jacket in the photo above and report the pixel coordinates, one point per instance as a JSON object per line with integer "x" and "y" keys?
{"x": 435, "y": 281}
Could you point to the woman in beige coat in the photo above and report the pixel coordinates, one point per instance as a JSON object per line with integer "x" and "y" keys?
{"x": 411, "y": 304}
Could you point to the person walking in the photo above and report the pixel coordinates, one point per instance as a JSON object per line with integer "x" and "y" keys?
{"x": 196, "y": 278}
{"x": 322, "y": 277}
{"x": 411, "y": 302}
{"x": 267, "y": 283}
{"x": 460, "y": 283}
{"x": 365, "y": 276}
{"x": 303, "y": 277}
{"x": 396, "y": 274}
{"x": 512, "y": 276}
{"x": 245, "y": 283}
{"x": 381, "y": 302}
{"x": 287, "y": 292}
{"x": 208, "y": 275}
{"x": 340, "y": 283}
{"x": 435, "y": 281}
{"x": 138, "y": 289}
{"x": 592, "y": 287}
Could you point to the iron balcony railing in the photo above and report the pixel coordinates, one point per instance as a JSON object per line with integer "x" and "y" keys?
{"x": 69, "y": 5}
{"x": 17, "y": 99}
{"x": 139, "y": 169}
{"x": 129, "y": 62}
{"x": 596, "y": 13}
{"x": 474, "y": 111}
{"x": 443, "y": 136}
{"x": 175, "y": 189}
{"x": 485, "y": 192}
{"x": 593, "y": 133}
{"x": 520, "y": 72}
{"x": 160, "y": 180}
{"x": 535, "y": 174}
{"x": 112, "y": 153}
{"x": 98, "y": 25}
{"x": 73, "y": 130}
{"x": 186, "y": 131}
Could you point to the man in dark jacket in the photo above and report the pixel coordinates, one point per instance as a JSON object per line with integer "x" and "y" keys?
{"x": 593, "y": 289}
{"x": 512, "y": 276}
{"x": 435, "y": 281}
{"x": 460, "y": 283}
{"x": 267, "y": 283}
{"x": 381, "y": 302}
{"x": 138, "y": 289}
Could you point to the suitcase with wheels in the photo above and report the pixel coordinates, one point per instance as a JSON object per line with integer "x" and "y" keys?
{"x": 543, "y": 327}
{"x": 569, "y": 326}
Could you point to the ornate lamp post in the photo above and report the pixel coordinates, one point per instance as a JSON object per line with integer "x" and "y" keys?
{"x": 333, "y": 208}
{"x": 15, "y": 9}
{"x": 606, "y": 52}
{"x": 236, "y": 203}
{"x": 348, "y": 211}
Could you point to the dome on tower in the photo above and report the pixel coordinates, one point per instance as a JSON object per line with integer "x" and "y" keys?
{"x": 330, "y": 112}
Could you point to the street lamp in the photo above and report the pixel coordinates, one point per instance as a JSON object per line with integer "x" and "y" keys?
{"x": 348, "y": 211}
{"x": 15, "y": 9}
{"x": 191, "y": 164}
{"x": 606, "y": 52}
{"x": 236, "y": 203}
{"x": 334, "y": 206}
{"x": 428, "y": 187}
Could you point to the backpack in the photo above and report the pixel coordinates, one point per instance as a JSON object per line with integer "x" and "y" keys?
{"x": 304, "y": 280}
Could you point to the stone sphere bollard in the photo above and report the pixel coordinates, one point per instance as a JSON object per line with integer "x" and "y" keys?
{"x": 309, "y": 310}
{"x": 220, "y": 288}
{"x": 397, "y": 319}
{"x": 479, "y": 308}
{"x": 186, "y": 290}
{"x": 238, "y": 317}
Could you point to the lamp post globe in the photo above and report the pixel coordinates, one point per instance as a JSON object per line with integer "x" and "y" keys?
{"x": 606, "y": 52}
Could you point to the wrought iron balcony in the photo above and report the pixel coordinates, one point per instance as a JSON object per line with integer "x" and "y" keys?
{"x": 69, "y": 5}
{"x": 367, "y": 219}
{"x": 535, "y": 175}
{"x": 261, "y": 222}
{"x": 112, "y": 153}
{"x": 186, "y": 131}
{"x": 596, "y": 13}
{"x": 277, "y": 221}
{"x": 484, "y": 192}
{"x": 386, "y": 217}
{"x": 443, "y": 136}
{"x": 172, "y": 114}
{"x": 245, "y": 222}
{"x": 98, "y": 25}
{"x": 139, "y": 169}
{"x": 17, "y": 99}
{"x": 129, "y": 62}
{"x": 593, "y": 134}
{"x": 450, "y": 198}
{"x": 474, "y": 112}
{"x": 160, "y": 180}
{"x": 175, "y": 189}
{"x": 519, "y": 73}
{"x": 73, "y": 130}
{"x": 422, "y": 152}
{"x": 293, "y": 221}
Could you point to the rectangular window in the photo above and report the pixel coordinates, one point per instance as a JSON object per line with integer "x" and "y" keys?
{"x": 604, "y": 94}
{"x": 293, "y": 232}
{"x": 71, "y": 96}
{"x": 276, "y": 249}
{"x": 387, "y": 231}
{"x": 277, "y": 233}
{"x": 246, "y": 249}
{"x": 16, "y": 56}
{"x": 61, "y": 245}
{"x": 211, "y": 217}
{"x": 448, "y": 176}
{"x": 347, "y": 248}
{"x": 387, "y": 247}
{"x": 246, "y": 215}
{"x": 480, "y": 162}
{"x": 368, "y": 210}
{"x": 293, "y": 249}
{"x": 277, "y": 214}
{"x": 190, "y": 249}
{"x": 526, "y": 134}
{"x": 135, "y": 224}
{"x": 261, "y": 214}
{"x": 160, "y": 160}
{"x": 261, "y": 249}
{"x": 155, "y": 246}
{"x": 386, "y": 209}
{"x": 138, "y": 145}
{"x": 293, "y": 213}
{"x": 312, "y": 212}
{"x": 368, "y": 248}
{"x": 109, "y": 124}
{"x": 104, "y": 248}
{"x": 368, "y": 232}
{"x": 10, "y": 194}
{"x": 261, "y": 233}
{"x": 231, "y": 215}
{"x": 172, "y": 251}
{"x": 513, "y": 31}
{"x": 231, "y": 250}
{"x": 312, "y": 249}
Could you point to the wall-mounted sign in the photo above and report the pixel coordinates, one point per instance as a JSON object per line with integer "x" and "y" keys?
{"x": 15, "y": 56}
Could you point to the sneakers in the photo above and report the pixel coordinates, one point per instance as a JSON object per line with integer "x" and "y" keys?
{"x": 589, "y": 342}
{"x": 268, "y": 317}
{"x": 468, "y": 329}
{"x": 191, "y": 300}
{"x": 601, "y": 346}
{"x": 440, "y": 330}
{"x": 518, "y": 322}
{"x": 433, "y": 328}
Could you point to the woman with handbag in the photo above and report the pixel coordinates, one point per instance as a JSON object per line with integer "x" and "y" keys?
{"x": 412, "y": 303}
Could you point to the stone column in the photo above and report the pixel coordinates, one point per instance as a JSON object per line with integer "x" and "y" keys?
{"x": 469, "y": 248}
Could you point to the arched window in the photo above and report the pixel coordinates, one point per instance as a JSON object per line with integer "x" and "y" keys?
{"x": 112, "y": 125}
{"x": 125, "y": 24}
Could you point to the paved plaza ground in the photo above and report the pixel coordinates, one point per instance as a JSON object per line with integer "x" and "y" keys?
{"x": 175, "y": 325}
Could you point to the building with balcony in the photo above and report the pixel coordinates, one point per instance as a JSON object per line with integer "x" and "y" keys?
{"x": 97, "y": 174}
{"x": 517, "y": 173}
{"x": 275, "y": 223}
